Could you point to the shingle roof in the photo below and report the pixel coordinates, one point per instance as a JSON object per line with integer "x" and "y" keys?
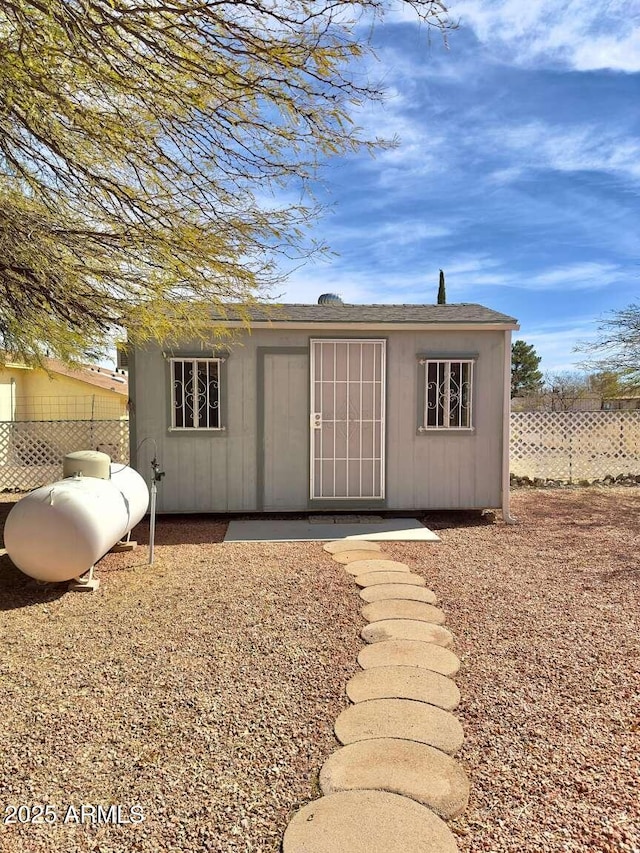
{"x": 336, "y": 312}
{"x": 101, "y": 377}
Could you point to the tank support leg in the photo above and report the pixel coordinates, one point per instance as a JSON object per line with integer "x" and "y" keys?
{"x": 86, "y": 583}
{"x": 127, "y": 545}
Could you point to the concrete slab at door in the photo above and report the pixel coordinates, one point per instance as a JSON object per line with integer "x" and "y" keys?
{"x": 404, "y": 682}
{"x": 400, "y": 718}
{"x": 414, "y": 770}
{"x": 367, "y": 822}
{"x": 285, "y": 430}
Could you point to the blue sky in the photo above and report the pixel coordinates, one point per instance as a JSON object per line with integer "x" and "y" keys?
{"x": 517, "y": 172}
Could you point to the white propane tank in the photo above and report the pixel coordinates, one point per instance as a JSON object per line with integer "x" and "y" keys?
{"x": 58, "y": 532}
{"x": 89, "y": 463}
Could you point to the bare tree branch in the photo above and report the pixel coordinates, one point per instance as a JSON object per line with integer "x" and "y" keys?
{"x": 137, "y": 139}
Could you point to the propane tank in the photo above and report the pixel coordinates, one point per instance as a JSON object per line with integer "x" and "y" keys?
{"x": 58, "y": 532}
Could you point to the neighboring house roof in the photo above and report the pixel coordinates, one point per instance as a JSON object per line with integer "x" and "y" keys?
{"x": 100, "y": 377}
{"x": 336, "y": 312}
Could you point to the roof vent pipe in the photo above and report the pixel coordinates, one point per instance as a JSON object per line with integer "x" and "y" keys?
{"x": 329, "y": 299}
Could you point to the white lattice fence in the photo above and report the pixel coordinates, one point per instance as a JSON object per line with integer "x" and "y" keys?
{"x": 31, "y": 452}
{"x": 575, "y": 445}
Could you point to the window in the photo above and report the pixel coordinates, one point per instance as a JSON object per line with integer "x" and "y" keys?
{"x": 448, "y": 386}
{"x": 195, "y": 393}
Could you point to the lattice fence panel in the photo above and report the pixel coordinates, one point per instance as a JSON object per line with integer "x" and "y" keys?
{"x": 575, "y": 445}
{"x": 31, "y": 452}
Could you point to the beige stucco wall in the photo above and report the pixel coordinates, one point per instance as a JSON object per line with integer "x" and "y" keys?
{"x": 10, "y": 380}
{"x": 55, "y": 397}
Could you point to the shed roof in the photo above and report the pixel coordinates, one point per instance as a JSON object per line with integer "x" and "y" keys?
{"x": 337, "y": 312}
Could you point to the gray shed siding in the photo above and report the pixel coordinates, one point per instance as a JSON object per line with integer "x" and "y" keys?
{"x": 261, "y": 460}
{"x": 285, "y": 428}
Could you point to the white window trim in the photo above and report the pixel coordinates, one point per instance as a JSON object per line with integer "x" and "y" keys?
{"x": 424, "y": 363}
{"x": 194, "y": 360}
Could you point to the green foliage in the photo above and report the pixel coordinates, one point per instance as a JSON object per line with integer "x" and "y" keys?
{"x": 442, "y": 294}
{"x": 606, "y": 383}
{"x": 140, "y": 147}
{"x": 525, "y": 376}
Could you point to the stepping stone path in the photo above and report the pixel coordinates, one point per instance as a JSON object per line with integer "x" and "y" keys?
{"x": 410, "y": 653}
{"x": 350, "y": 545}
{"x": 361, "y": 567}
{"x": 346, "y": 557}
{"x": 385, "y": 591}
{"x": 404, "y": 682}
{"x": 415, "y": 770}
{"x": 374, "y": 578}
{"x": 395, "y": 609}
{"x": 367, "y": 822}
{"x": 400, "y": 718}
{"x": 406, "y": 629}
{"x": 387, "y": 788}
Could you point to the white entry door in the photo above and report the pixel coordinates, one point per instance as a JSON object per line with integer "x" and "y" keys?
{"x": 347, "y": 418}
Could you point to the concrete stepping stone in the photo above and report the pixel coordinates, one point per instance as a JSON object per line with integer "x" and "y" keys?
{"x": 414, "y": 770}
{"x": 374, "y": 578}
{"x": 406, "y": 629}
{"x": 400, "y": 718}
{"x": 341, "y": 545}
{"x": 397, "y": 609}
{"x": 361, "y": 567}
{"x": 346, "y": 557}
{"x": 409, "y": 653}
{"x": 386, "y": 591}
{"x": 404, "y": 682}
{"x": 367, "y": 822}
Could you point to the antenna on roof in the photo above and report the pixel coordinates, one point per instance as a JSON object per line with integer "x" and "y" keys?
{"x": 442, "y": 295}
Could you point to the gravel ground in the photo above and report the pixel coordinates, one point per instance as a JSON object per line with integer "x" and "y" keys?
{"x": 204, "y": 689}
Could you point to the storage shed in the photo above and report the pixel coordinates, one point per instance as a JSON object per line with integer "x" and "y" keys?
{"x": 331, "y": 407}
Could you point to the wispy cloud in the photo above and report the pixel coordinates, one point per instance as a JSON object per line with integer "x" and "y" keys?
{"x": 563, "y": 148}
{"x": 361, "y": 286}
{"x": 516, "y": 175}
{"x": 579, "y": 34}
{"x": 420, "y": 149}
{"x": 557, "y": 342}
{"x": 577, "y": 276}
{"x": 466, "y": 274}
{"x": 499, "y": 150}
{"x": 397, "y": 231}
{"x": 467, "y": 277}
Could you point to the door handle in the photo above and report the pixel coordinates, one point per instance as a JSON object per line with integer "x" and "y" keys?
{"x": 316, "y": 420}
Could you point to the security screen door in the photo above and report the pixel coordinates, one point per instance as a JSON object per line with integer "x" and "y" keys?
{"x": 347, "y": 418}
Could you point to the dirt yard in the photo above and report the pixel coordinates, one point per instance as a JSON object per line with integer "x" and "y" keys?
{"x": 201, "y": 693}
